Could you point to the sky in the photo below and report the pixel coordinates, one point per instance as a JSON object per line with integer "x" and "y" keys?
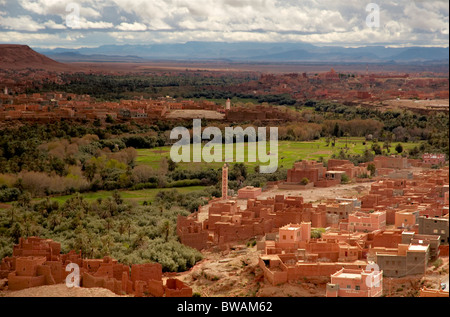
{"x": 350, "y": 23}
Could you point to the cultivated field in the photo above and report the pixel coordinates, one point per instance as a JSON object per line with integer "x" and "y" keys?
{"x": 288, "y": 153}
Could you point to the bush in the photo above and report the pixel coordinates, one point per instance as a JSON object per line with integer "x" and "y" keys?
{"x": 9, "y": 194}
{"x": 345, "y": 179}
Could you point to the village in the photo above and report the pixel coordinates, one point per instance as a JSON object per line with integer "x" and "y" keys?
{"x": 395, "y": 229}
{"x": 422, "y": 92}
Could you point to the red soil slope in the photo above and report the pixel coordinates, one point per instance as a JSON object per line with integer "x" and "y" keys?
{"x": 14, "y": 56}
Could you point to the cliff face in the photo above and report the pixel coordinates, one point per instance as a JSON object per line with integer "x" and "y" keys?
{"x": 14, "y": 56}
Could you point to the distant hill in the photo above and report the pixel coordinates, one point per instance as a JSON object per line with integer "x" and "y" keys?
{"x": 67, "y": 57}
{"x": 422, "y": 54}
{"x": 253, "y": 52}
{"x": 14, "y": 56}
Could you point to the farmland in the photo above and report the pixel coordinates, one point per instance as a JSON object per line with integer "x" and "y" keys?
{"x": 288, "y": 152}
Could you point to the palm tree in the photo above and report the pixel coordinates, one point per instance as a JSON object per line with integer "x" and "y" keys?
{"x": 166, "y": 229}
{"x": 122, "y": 227}
{"x": 129, "y": 227}
{"x": 12, "y": 211}
{"x": 109, "y": 223}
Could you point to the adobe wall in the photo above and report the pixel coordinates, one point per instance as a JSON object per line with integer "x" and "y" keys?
{"x": 31, "y": 271}
{"x": 274, "y": 277}
{"x": 197, "y": 241}
{"x": 443, "y": 250}
{"x": 176, "y": 288}
{"x": 424, "y": 292}
{"x": 319, "y": 269}
{"x": 144, "y": 272}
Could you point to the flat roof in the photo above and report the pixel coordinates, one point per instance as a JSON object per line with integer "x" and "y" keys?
{"x": 416, "y": 247}
{"x": 350, "y": 275}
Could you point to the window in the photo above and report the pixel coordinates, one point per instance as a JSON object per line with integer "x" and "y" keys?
{"x": 284, "y": 237}
{"x": 349, "y": 287}
{"x": 357, "y": 287}
{"x": 443, "y": 231}
{"x": 435, "y": 231}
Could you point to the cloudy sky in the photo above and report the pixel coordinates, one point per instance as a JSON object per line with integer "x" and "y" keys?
{"x": 90, "y": 23}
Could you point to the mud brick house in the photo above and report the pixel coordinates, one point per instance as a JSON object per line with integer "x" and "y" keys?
{"x": 191, "y": 232}
{"x": 286, "y": 210}
{"x": 319, "y": 176}
{"x": 361, "y": 221}
{"x": 406, "y": 219}
{"x": 311, "y": 170}
{"x": 227, "y": 222}
{"x": 283, "y": 268}
{"x": 294, "y": 255}
{"x": 435, "y": 226}
{"x": 355, "y": 283}
{"x": 348, "y": 167}
{"x": 406, "y": 259}
{"x": 409, "y": 237}
{"x": 433, "y": 159}
{"x": 34, "y": 246}
{"x": 391, "y": 162}
{"x": 249, "y": 192}
{"x": 37, "y": 262}
{"x": 387, "y": 238}
{"x": 338, "y": 210}
{"x": 290, "y": 238}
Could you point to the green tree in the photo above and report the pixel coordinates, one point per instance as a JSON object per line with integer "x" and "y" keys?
{"x": 372, "y": 169}
{"x": 16, "y": 232}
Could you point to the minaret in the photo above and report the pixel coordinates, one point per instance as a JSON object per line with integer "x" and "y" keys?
{"x": 225, "y": 182}
{"x": 228, "y": 104}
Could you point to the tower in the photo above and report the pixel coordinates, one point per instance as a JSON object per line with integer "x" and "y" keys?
{"x": 228, "y": 104}
{"x": 225, "y": 182}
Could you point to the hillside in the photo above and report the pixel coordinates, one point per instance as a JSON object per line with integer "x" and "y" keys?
{"x": 14, "y": 56}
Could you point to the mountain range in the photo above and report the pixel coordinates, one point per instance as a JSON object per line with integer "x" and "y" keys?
{"x": 250, "y": 52}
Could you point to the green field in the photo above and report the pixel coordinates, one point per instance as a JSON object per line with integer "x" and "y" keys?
{"x": 138, "y": 196}
{"x": 288, "y": 153}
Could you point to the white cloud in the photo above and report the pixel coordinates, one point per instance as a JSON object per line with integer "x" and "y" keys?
{"x": 53, "y": 25}
{"x": 318, "y": 21}
{"x": 20, "y": 23}
{"x": 92, "y": 25}
{"x": 132, "y": 26}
